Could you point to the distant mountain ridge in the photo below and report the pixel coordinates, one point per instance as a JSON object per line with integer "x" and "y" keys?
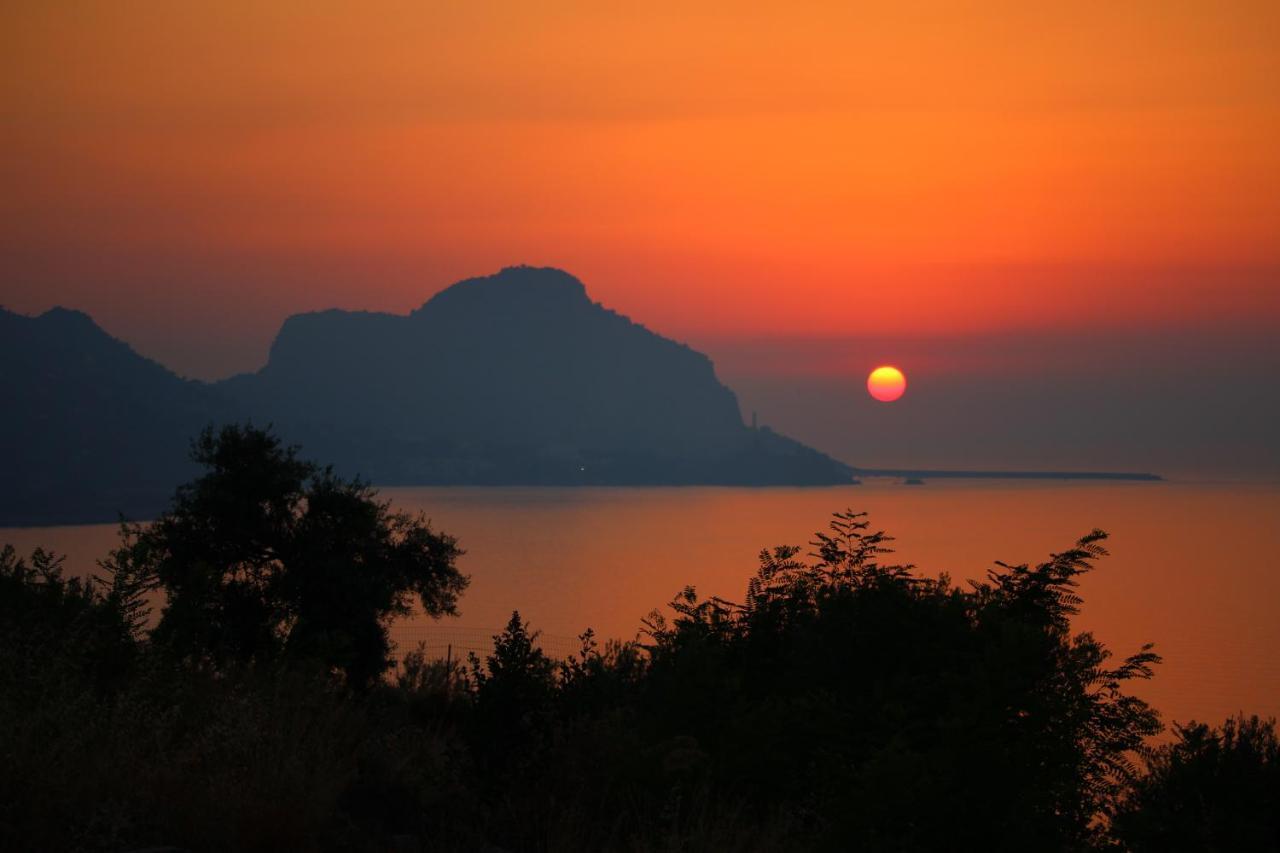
{"x": 517, "y": 378}
{"x": 514, "y": 378}
{"x": 90, "y": 428}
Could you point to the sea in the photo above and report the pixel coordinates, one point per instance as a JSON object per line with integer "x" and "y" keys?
{"x": 1194, "y": 566}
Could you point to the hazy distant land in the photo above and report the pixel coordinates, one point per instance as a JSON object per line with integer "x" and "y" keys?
{"x": 512, "y": 379}
{"x": 518, "y": 378}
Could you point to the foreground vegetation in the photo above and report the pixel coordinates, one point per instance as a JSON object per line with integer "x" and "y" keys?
{"x": 847, "y": 703}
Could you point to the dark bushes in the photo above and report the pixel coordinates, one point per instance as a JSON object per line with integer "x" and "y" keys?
{"x": 847, "y": 703}
{"x": 1210, "y": 789}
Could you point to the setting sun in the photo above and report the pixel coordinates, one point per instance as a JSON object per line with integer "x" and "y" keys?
{"x": 886, "y": 384}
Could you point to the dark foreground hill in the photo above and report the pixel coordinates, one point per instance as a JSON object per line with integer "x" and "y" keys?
{"x": 517, "y": 378}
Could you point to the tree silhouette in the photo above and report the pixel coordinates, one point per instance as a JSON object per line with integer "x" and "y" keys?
{"x": 267, "y": 556}
{"x": 514, "y": 688}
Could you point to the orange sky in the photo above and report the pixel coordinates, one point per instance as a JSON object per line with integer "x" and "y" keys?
{"x": 190, "y": 173}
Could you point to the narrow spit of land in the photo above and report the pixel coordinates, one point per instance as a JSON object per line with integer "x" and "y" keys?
{"x": 919, "y": 474}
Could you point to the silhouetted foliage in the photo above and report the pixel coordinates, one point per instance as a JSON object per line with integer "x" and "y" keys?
{"x": 865, "y": 695}
{"x": 517, "y": 678}
{"x": 267, "y": 556}
{"x": 847, "y": 703}
{"x": 50, "y": 622}
{"x": 1211, "y": 789}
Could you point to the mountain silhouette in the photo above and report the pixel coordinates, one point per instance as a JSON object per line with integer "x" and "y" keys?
{"x": 91, "y": 429}
{"x": 518, "y": 378}
{"x": 514, "y": 378}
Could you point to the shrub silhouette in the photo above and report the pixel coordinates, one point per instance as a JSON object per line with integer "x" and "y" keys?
{"x": 267, "y": 556}
{"x": 514, "y": 688}
{"x": 846, "y": 703}
{"x": 60, "y": 628}
{"x": 869, "y": 697}
{"x": 1211, "y": 789}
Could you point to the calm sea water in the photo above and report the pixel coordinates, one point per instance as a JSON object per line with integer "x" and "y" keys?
{"x": 1195, "y": 567}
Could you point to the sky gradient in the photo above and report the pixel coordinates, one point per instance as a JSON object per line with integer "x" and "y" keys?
{"x": 797, "y": 191}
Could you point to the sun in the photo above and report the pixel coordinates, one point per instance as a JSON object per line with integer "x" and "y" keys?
{"x": 886, "y": 383}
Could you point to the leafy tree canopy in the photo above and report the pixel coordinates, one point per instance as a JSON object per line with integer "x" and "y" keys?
{"x": 267, "y": 555}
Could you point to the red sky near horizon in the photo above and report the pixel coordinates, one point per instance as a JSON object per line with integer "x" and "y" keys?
{"x": 192, "y": 173}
